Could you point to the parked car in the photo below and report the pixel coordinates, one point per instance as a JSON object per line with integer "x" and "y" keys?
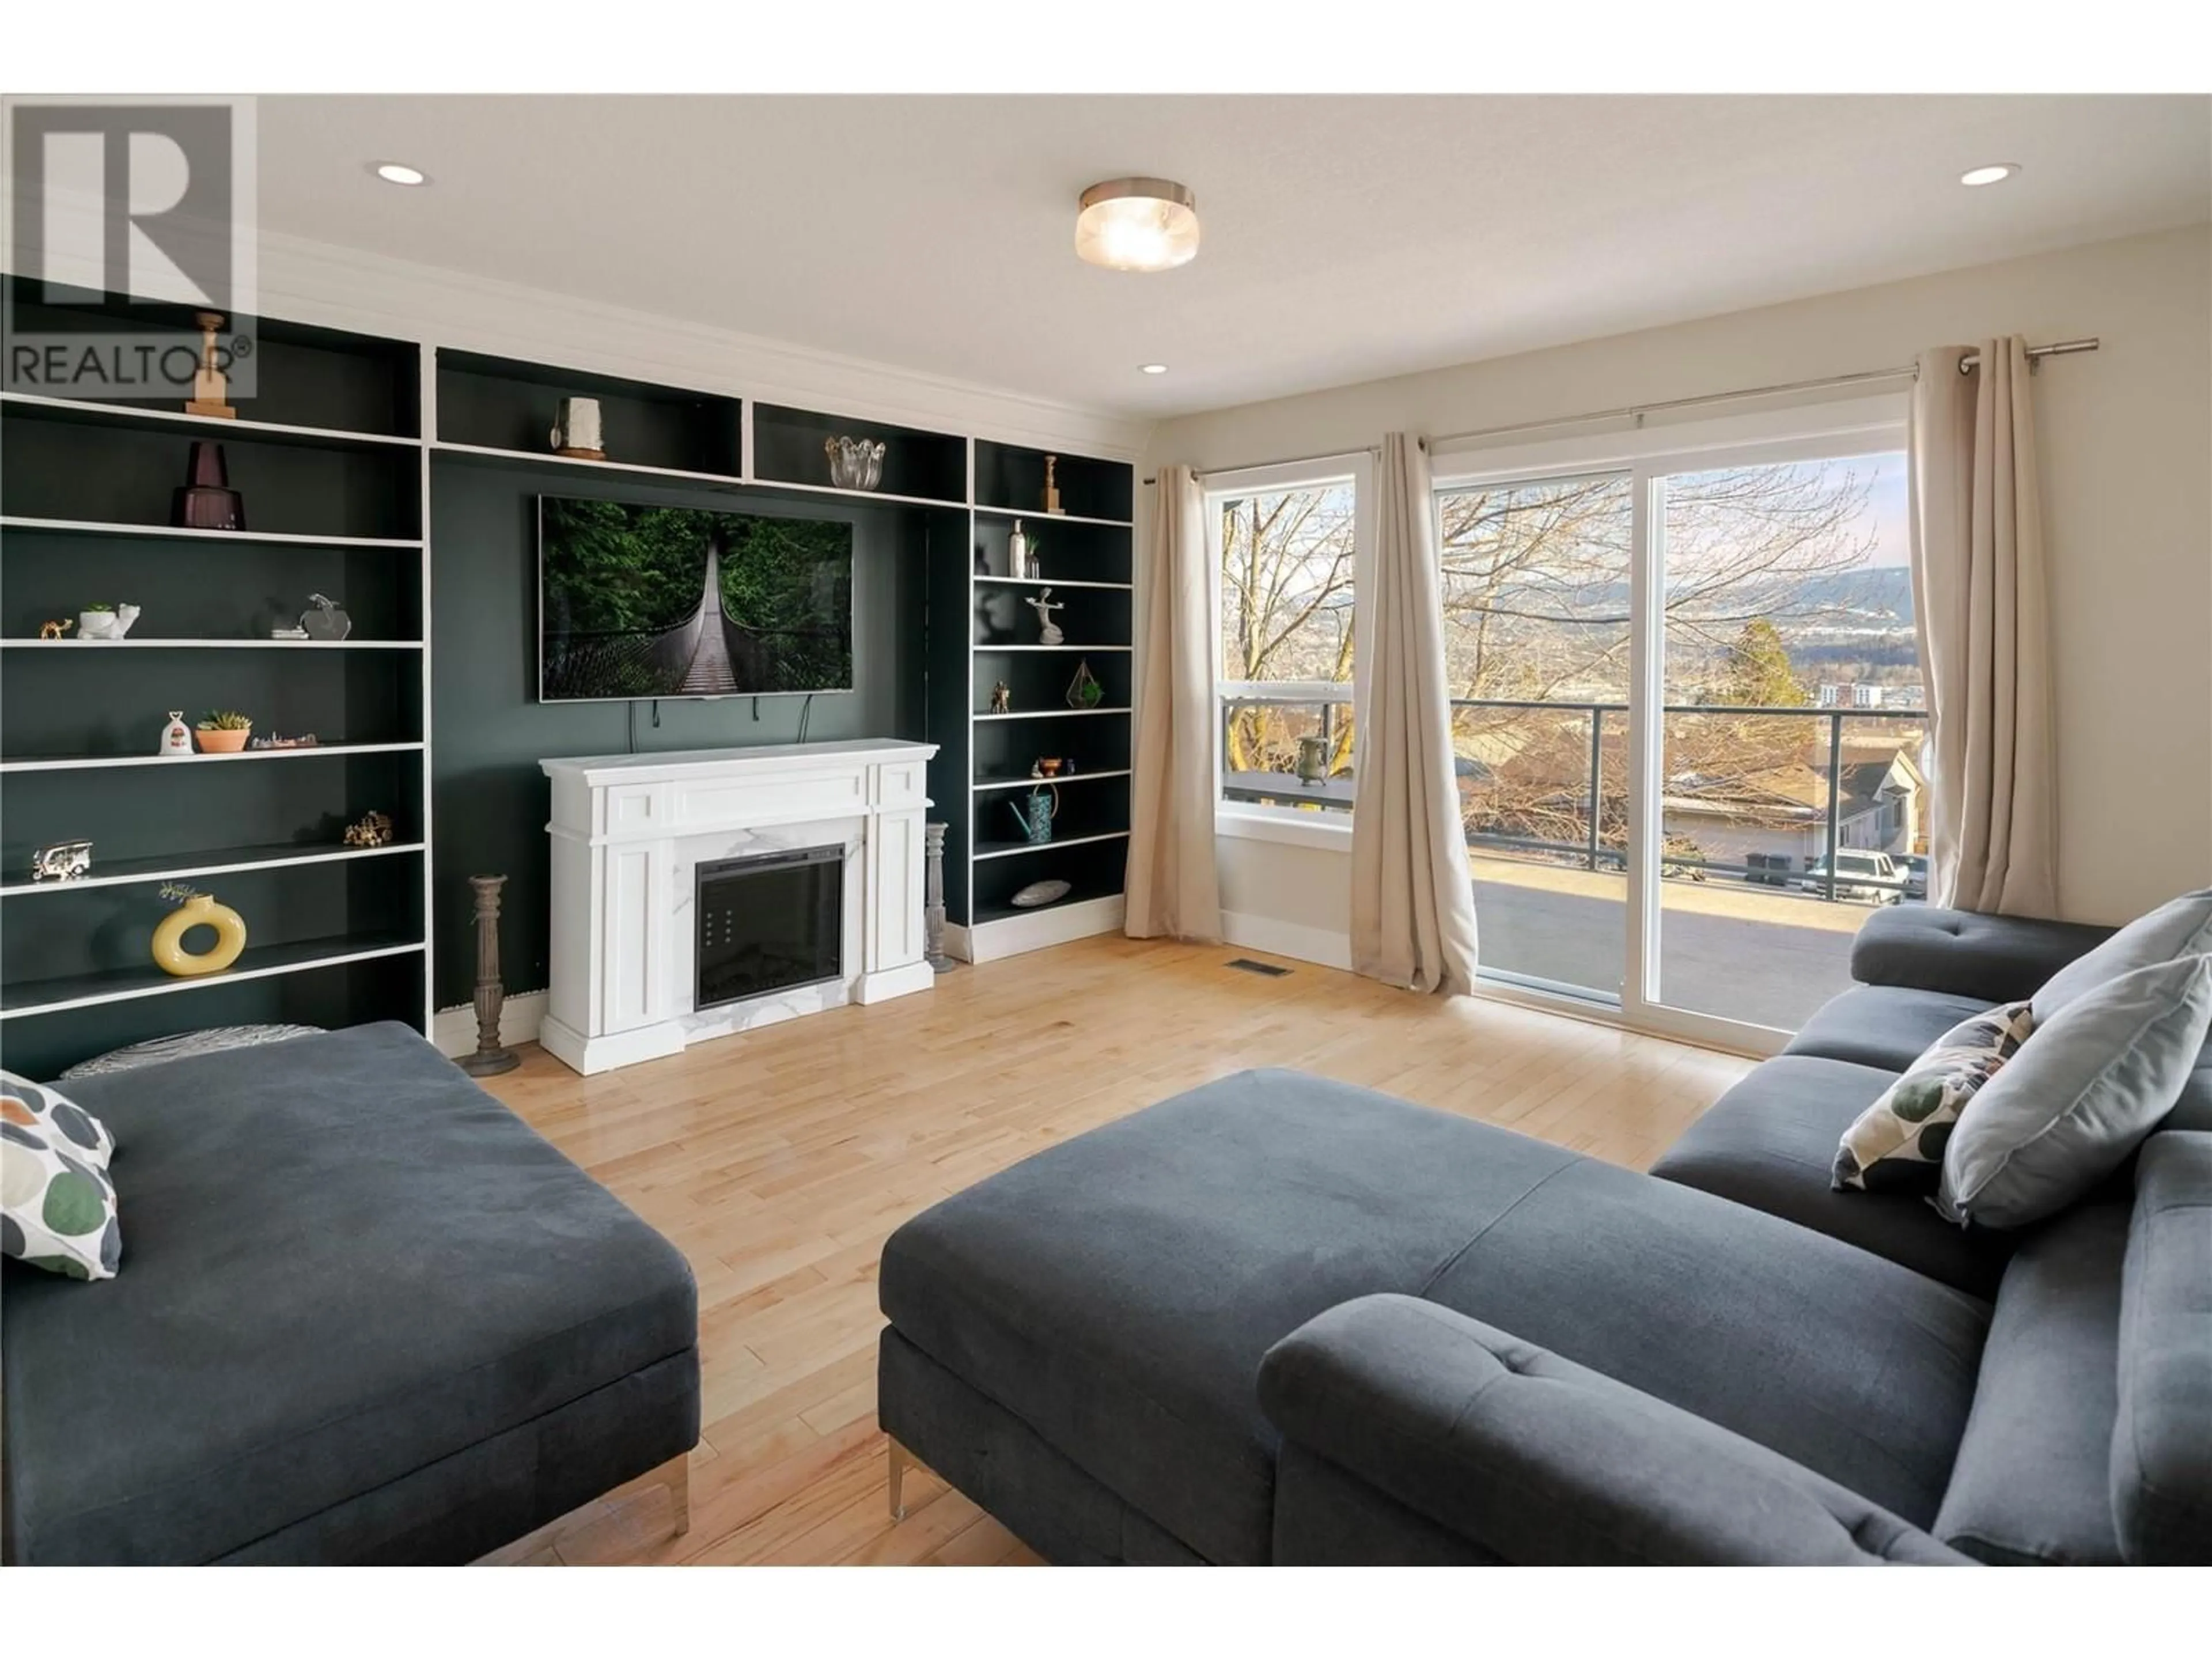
{"x": 1915, "y": 865}
{"x": 1872, "y": 877}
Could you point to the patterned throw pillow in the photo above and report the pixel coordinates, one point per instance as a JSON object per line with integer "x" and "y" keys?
{"x": 56, "y": 1203}
{"x": 1897, "y": 1144}
{"x": 28, "y": 1105}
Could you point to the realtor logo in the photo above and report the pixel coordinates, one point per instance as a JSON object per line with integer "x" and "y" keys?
{"x": 128, "y": 222}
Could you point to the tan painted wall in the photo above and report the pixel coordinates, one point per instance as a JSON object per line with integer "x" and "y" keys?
{"x": 2126, "y": 439}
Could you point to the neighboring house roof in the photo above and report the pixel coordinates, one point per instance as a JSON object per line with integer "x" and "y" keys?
{"x": 1765, "y": 781}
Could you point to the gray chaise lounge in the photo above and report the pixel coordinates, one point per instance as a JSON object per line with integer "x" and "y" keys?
{"x": 364, "y": 1314}
{"x": 1282, "y": 1320}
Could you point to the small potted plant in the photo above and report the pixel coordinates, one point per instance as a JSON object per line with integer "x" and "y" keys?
{"x": 224, "y": 731}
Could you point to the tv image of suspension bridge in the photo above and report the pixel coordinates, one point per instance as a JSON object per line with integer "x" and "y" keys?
{"x": 704, "y": 655}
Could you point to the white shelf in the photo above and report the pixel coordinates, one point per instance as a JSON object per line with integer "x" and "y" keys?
{"x": 982, "y": 784}
{"x": 93, "y": 763}
{"x": 53, "y": 996}
{"x": 86, "y": 411}
{"x": 1041, "y": 517}
{"x": 858, "y": 495}
{"x": 992, "y": 915}
{"x": 484, "y": 454}
{"x": 1014, "y": 850}
{"x": 169, "y": 867}
{"x": 210, "y": 645}
{"x": 981, "y": 649}
{"x": 1046, "y": 581}
{"x": 174, "y": 533}
{"x": 1050, "y": 714}
{"x": 1005, "y": 933}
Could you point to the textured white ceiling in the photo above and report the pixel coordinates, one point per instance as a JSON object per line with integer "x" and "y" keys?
{"x": 1344, "y": 238}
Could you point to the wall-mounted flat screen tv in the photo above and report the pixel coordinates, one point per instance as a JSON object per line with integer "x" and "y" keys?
{"x": 677, "y": 602}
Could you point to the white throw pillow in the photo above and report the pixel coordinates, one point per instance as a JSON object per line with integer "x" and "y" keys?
{"x": 1897, "y": 1144}
{"x": 30, "y": 1105}
{"x": 56, "y": 1203}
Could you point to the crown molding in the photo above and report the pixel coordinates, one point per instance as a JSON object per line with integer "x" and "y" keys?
{"x": 346, "y": 288}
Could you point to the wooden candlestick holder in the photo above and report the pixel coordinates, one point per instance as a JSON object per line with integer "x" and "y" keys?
{"x": 490, "y": 1059}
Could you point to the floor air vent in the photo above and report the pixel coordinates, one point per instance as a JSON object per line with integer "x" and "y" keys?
{"x": 1265, "y": 968}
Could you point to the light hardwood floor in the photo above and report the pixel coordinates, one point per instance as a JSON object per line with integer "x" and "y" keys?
{"x": 780, "y": 1160}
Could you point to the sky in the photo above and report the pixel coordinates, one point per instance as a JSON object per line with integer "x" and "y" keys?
{"x": 1885, "y": 505}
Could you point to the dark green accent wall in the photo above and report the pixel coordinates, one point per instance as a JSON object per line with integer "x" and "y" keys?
{"x": 490, "y": 731}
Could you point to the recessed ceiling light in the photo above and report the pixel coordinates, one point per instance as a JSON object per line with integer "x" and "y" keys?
{"x": 1151, "y": 368}
{"x": 1136, "y": 224}
{"x": 1995, "y": 172}
{"x": 398, "y": 173}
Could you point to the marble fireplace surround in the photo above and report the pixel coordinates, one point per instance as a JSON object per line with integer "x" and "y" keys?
{"x": 628, "y": 832}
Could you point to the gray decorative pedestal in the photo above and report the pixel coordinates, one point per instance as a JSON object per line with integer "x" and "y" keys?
{"x": 933, "y": 899}
{"x": 490, "y": 1059}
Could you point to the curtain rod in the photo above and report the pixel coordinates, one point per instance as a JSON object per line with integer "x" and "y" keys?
{"x": 1371, "y": 450}
{"x": 1967, "y": 364}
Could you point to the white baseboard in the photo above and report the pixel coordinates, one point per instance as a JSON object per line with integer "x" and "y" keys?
{"x": 454, "y": 1030}
{"x": 1010, "y": 936}
{"x": 1321, "y": 946}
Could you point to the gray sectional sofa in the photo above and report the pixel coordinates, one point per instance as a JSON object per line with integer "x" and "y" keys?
{"x": 364, "y": 1314}
{"x": 1279, "y": 1319}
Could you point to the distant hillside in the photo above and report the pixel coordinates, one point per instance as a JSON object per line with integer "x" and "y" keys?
{"x": 1877, "y": 593}
{"x": 1880, "y": 593}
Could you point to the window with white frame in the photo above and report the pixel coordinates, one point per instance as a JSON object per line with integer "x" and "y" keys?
{"x": 1290, "y": 551}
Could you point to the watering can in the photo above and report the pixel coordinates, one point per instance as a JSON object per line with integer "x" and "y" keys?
{"x": 1036, "y": 821}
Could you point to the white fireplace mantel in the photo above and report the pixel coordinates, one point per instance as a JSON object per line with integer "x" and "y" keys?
{"x": 628, "y": 832}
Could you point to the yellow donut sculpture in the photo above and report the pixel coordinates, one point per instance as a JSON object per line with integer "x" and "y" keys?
{"x": 198, "y": 911}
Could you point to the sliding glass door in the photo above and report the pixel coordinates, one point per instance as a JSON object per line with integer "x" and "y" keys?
{"x": 1687, "y": 719}
{"x": 1789, "y": 784}
{"x": 1537, "y": 646}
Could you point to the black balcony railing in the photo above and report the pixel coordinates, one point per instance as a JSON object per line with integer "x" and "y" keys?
{"x": 1585, "y": 800}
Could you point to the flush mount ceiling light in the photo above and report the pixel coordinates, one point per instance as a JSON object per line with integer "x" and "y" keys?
{"x": 1136, "y": 224}
{"x": 399, "y": 173}
{"x": 1995, "y": 172}
{"x": 1151, "y": 368}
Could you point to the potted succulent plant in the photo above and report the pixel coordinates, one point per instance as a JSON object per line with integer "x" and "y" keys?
{"x": 224, "y": 731}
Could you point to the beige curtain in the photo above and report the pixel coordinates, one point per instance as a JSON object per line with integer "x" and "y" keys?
{"x": 1413, "y": 906}
{"x": 1173, "y": 886}
{"x": 1979, "y": 603}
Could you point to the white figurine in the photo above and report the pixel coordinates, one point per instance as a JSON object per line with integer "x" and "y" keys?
{"x": 1043, "y": 605}
{"x": 107, "y": 623}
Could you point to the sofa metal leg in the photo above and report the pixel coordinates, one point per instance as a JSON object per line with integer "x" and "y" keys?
{"x": 898, "y": 1461}
{"x": 676, "y": 1476}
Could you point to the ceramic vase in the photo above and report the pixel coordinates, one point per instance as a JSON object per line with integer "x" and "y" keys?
{"x": 200, "y": 910}
{"x": 206, "y": 500}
